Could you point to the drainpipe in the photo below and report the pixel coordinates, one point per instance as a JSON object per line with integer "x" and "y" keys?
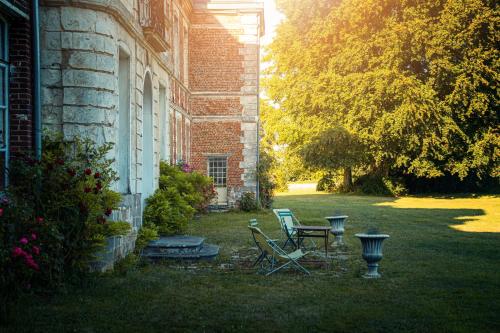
{"x": 37, "y": 111}
{"x": 257, "y": 187}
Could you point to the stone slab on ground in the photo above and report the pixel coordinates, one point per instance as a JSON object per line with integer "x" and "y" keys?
{"x": 189, "y": 248}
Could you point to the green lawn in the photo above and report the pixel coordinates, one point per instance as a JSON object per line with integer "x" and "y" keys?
{"x": 441, "y": 273}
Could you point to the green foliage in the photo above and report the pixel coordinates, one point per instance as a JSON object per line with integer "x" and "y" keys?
{"x": 167, "y": 210}
{"x": 248, "y": 202}
{"x": 195, "y": 188}
{"x": 371, "y": 184}
{"x": 374, "y": 184}
{"x": 60, "y": 205}
{"x": 396, "y": 187}
{"x": 147, "y": 233}
{"x": 125, "y": 265}
{"x": 281, "y": 140}
{"x": 414, "y": 82}
{"x": 180, "y": 194}
{"x": 266, "y": 184}
{"x": 334, "y": 148}
{"x": 327, "y": 183}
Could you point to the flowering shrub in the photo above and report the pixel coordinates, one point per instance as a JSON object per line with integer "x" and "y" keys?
{"x": 184, "y": 166}
{"x": 55, "y": 214}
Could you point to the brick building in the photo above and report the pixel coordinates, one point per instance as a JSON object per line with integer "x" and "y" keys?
{"x": 17, "y": 81}
{"x": 223, "y": 82}
{"x": 164, "y": 80}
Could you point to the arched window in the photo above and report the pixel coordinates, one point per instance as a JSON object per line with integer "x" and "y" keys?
{"x": 148, "y": 154}
{"x": 4, "y": 101}
{"x": 123, "y": 147}
{"x": 165, "y": 125}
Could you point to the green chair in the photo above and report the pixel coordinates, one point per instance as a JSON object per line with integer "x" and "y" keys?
{"x": 287, "y": 221}
{"x": 275, "y": 255}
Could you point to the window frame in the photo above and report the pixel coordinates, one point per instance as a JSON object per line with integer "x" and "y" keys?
{"x": 4, "y": 62}
{"x": 216, "y": 172}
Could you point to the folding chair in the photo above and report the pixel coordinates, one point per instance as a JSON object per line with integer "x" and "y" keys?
{"x": 274, "y": 254}
{"x": 287, "y": 220}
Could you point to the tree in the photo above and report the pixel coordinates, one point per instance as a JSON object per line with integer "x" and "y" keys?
{"x": 333, "y": 149}
{"x": 414, "y": 81}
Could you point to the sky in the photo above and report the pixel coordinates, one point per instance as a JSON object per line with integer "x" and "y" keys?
{"x": 272, "y": 18}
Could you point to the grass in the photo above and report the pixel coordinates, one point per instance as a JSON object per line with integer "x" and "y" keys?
{"x": 440, "y": 274}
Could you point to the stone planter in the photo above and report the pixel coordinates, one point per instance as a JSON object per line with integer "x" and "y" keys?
{"x": 337, "y": 223}
{"x": 372, "y": 252}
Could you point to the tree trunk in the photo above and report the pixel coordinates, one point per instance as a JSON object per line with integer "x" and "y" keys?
{"x": 347, "y": 179}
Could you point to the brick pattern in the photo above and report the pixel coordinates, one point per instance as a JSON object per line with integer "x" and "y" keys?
{"x": 218, "y": 138}
{"x": 202, "y": 106}
{"x": 223, "y": 77}
{"x": 20, "y": 84}
{"x": 215, "y": 63}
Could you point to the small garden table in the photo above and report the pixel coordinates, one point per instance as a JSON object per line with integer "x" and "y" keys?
{"x": 313, "y": 231}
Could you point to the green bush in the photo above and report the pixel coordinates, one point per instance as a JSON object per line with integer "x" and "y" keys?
{"x": 181, "y": 193}
{"x": 327, "y": 183}
{"x": 377, "y": 185}
{"x": 55, "y": 214}
{"x": 195, "y": 188}
{"x": 396, "y": 187}
{"x": 168, "y": 211}
{"x": 248, "y": 202}
{"x": 266, "y": 184}
{"x": 147, "y": 233}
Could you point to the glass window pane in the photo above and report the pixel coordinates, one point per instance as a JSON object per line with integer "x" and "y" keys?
{"x": 2, "y": 171}
{"x": 3, "y": 42}
{"x": 3, "y": 88}
{"x": 2, "y": 128}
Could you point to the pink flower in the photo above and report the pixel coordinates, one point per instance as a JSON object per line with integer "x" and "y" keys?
{"x": 186, "y": 168}
{"x": 1, "y": 211}
{"x": 108, "y": 211}
{"x": 35, "y": 250}
{"x": 39, "y": 219}
{"x": 31, "y": 263}
{"x": 33, "y": 236}
{"x": 18, "y": 252}
{"x": 23, "y": 241}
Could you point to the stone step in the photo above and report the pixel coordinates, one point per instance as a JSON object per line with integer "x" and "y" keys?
{"x": 176, "y": 244}
{"x": 180, "y": 247}
{"x": 206, "y": 252}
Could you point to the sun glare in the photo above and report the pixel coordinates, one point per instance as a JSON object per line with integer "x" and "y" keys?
{"x": 488, "y": 221}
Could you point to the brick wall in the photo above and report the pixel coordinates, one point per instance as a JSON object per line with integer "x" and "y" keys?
{"x": 215, "y": 63}
{"x": 223, "y": 75}
{"x": 21, "y": 82}
{"x": 206, "y": 106}
{"x": 220, "y": 138}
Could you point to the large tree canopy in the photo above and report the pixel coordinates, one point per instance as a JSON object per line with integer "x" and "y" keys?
{"x": 415, "y": 81}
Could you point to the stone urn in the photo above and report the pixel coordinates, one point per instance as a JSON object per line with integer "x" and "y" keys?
{"x": 372, "y": 252}
{"x": 337, "y": 223}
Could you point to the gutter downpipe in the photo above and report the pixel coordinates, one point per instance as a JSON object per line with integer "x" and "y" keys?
{"x": 257, "y": 187}
{"x": 37, "y": 111}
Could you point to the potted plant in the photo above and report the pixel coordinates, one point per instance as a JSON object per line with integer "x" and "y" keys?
{"x": 372, "y": 250}
{"x": 337, "y": 222}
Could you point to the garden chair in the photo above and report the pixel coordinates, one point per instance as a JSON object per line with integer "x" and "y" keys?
{"x": 260, "y": 259}
{"x": 274, "y": 254}
{"x": 287, "y": 220}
